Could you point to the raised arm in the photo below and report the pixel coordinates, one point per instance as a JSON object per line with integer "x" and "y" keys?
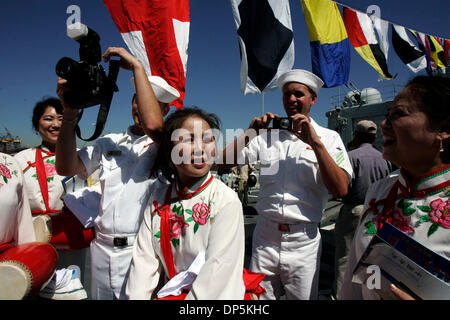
{"x": 67, "y": 161}
{"x": 149, "y": 108}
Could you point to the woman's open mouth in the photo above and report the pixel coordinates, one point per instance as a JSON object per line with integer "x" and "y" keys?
{"x": 54, "y": 132}
{"x": 388, "y": 141}
{"x": 198, "y": 163}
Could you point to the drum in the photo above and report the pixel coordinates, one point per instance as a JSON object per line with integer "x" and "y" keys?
{"x": 25, "y": 269}
{"x": 42, "y": 228}
{"x": 68, "y": 233}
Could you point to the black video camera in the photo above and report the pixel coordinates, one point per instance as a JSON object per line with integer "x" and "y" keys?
{"x": 282, "y": 123}
{"x": 88, "y": 84}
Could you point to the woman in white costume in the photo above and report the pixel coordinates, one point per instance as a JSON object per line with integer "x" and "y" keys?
{"x": 44, "y": 185}
{"x": 47, "y": 117}
{"x": 195, "y": 218}
{"x": 18, "y": 272}
{"x": 414, "y": 199}
{"x": 16, "y": 225}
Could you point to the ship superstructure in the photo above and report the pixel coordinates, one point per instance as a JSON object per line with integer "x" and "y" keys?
{"x": 9, "y": 143}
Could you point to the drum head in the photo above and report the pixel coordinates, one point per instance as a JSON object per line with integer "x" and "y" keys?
{"x": 15, "y": 280}
{"x": 42, "y": 228}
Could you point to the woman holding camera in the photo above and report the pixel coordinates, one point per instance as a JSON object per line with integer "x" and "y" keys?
{"x": 45, "y": 189}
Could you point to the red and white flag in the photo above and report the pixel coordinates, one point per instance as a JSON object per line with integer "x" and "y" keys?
{"x": 361, "y": 33}
{"x": 157, "y": 33}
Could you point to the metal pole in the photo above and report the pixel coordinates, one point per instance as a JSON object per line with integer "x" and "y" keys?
{"x": 262, "y": 103}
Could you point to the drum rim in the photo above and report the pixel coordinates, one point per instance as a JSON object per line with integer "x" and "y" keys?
{"x": 24, "y": 268}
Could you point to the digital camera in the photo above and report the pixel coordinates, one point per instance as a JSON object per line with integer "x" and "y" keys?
{"x": 88, "y": 85}
{"x": 282, "y": 123}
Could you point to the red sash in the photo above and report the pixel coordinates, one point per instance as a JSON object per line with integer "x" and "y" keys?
{"x": 42, "y": 179}
{"x": 165, "y": 239}
{"x": 67, "y": 232}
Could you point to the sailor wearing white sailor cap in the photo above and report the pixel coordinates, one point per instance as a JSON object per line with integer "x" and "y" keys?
{"x": 311, "y": 161}
{"x": 123, "y": 162}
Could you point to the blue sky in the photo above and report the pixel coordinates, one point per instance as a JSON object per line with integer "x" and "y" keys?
{"x": 33, "y": 38}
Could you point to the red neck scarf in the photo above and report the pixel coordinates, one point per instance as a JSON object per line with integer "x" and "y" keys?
{"x": 42, "y": 179}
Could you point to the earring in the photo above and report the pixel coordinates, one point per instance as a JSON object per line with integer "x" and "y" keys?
{"x": 441, "y": 149}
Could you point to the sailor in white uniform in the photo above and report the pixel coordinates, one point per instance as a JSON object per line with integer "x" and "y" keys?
{"x": 298, "y": 168}
{"x": 124, "y": 161}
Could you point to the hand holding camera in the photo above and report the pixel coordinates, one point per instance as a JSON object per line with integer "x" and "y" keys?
{"x": 87, "y": 83}
{"x": 127, "y": 60}
{"x": 283, "y": 123}
{"x": 84, "y": 83}
{"x": 262, "y": 122}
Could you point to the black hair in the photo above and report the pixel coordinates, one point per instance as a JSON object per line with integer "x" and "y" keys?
{"x": 163, "y": 161}
{"x": 432, "y": 94}
{"x": 40, "y": 107}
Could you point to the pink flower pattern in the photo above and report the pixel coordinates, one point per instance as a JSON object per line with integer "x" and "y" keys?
{"x": 177, "y": 225}
{"x": 49, "y": 169}
{"x": 402, "y": 222}
{"x": 440, "y": 212}
{"x": 201, "y": 213}
{"x": 4, "y": 171}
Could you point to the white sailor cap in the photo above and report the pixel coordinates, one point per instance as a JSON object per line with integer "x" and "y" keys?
{"x": 307, "y": 78}
{"x": 163, "y": 91}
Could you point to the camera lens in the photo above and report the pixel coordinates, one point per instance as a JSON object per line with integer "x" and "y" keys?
{"x": 285, "y": 123}
{"x": 66, "y": 68}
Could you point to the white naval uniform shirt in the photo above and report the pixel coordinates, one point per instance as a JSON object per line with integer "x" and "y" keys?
{"x": 291, "y": 188}
{"x": 211, "y": 222}
{"x": 424, "y": 217}
{"x": 16, "y": 224}
{"x": 27, "y": 162}
{"x": 122, "y": 159}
